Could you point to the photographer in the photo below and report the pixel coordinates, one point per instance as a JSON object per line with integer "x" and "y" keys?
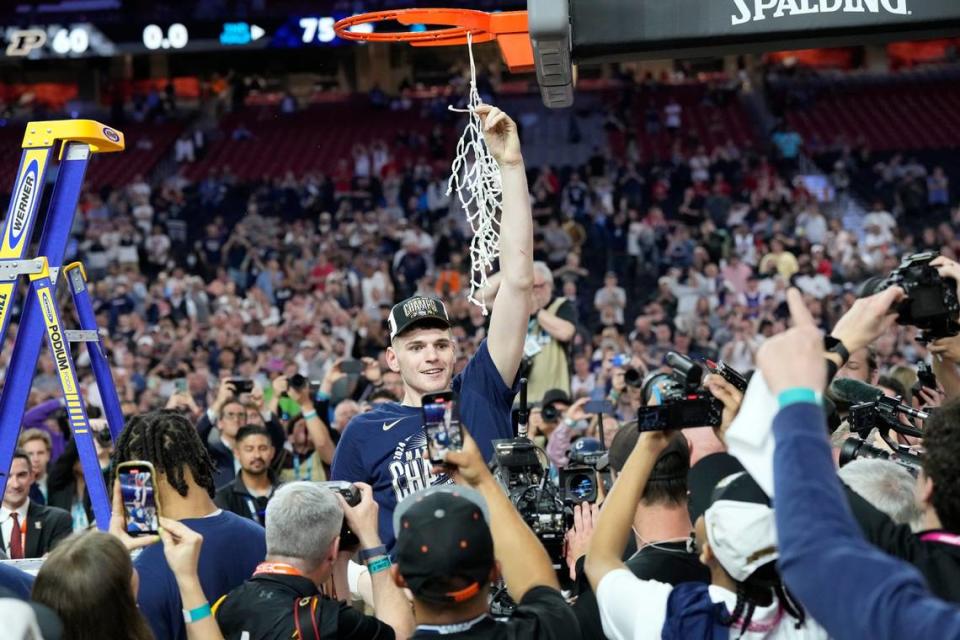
{"x": 282, "y": 600}
{"x": 661, "y": 527}
{"x": 219, "y": 425}
{"x": 851, "y": 588}
{"x": 451, "y": 541}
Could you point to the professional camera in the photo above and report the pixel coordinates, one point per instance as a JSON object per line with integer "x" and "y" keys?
{"x": 521, "y": 469}
{"x": 633, "y": 378}
{"x": 854, "y": 448}
{"x": 579, "y": 479}
{"x": 550, "y": 413}
{"x": 348, "y": 539}
{"x": 931, "y": 304}
{"x": 683, "y": 400}
{"x": 884, "y": 414}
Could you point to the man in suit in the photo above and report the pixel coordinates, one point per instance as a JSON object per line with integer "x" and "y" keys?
{"x": 27, "y": 529}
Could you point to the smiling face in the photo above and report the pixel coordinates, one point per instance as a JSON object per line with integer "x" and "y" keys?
{"x": 424, "y": 358}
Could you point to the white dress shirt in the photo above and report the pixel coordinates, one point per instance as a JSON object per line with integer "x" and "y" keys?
{"x": 6, "y": 523}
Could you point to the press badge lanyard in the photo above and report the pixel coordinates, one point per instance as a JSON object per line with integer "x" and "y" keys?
{"x": 939, "y": 536}
{"x": 276, "y": 567}
{"x": 446, "y": 629}
{"x": 296, "y": 468}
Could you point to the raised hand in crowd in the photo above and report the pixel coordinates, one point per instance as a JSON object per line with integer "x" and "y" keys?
{"x": 729, "y": 395}
{"x": 577, "y": 540}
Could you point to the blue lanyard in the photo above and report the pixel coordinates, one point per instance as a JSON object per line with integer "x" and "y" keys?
{"x": 296, "y": 469}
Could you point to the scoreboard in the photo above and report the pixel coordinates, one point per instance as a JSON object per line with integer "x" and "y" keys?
{"x": 89, "y": 39}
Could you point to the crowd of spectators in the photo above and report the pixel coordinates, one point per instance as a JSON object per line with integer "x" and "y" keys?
{"x": 247, "y": 320}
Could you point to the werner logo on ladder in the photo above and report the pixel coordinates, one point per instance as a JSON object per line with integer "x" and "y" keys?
{"x": 41, "y": 314}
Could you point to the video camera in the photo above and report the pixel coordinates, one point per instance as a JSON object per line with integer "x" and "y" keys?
{"x": 884, "y": 415}
{"x": 931, "y": 304}
{"x": 520, "y": 470}
{"x": 854, "y": 448}
{"x": 684, "y": 402}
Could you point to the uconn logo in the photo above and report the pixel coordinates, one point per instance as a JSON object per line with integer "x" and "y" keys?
{"x": 756, "y": 10}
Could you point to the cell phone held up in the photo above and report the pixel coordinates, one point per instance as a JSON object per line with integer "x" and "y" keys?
{"x": 241, "y": 385}
{"x": 441, "y": 421}
{"x": 141, "y": 502}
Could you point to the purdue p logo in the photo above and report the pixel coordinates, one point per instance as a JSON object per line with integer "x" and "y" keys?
{"x": 23, "y": 41}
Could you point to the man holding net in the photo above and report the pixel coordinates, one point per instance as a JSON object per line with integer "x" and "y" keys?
{"x": 385, "y": 447}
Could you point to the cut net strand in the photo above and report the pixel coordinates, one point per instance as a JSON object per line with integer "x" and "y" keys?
{"x": 475, "y": 177}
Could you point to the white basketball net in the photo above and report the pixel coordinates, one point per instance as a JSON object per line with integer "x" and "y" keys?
{"x": 475, "y": 178}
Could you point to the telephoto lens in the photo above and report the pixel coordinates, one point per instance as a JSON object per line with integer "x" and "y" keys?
{"x": 633, "y": 378}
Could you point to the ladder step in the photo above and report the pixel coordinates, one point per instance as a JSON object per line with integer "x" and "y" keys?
{"x": 82, "y": 335}
{"x": 13, "y": 269}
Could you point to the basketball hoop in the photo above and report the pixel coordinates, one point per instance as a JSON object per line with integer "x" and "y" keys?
{"x": 474, "y": 174}
{"x": 509, "y": 29}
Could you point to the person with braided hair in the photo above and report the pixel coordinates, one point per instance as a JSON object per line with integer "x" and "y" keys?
{"x": 185, "y": 489}
{"x": 734, "y": 536}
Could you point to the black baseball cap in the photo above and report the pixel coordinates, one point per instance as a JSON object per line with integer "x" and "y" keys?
{"x": 552, "y": 396}
{"x": 704, "y": 478}
{"x": 444, "y": 548}
{"x": 416, "y": 310}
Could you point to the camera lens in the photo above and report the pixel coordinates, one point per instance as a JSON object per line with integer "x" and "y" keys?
{"x": 632, "y": 377}
{"x": 550, "y": 413}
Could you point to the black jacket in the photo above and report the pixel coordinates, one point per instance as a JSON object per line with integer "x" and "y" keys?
{"x": 221, "y": 453}
{"x": 264, "y": 605}
{"x": 46, "y": 526}
{"x": 939, "y": 562}
{"x": 236, "y": 497}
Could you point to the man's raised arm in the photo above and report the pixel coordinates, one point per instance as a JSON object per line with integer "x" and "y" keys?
{"x": 511, "y": 309}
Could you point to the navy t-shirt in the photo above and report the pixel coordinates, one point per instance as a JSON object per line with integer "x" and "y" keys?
{"x": 384, "y": 447}
{"x": 232, "y": 549}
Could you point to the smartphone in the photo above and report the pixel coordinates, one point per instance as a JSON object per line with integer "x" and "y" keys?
{"x": 141, "y": 504}
{"x": 600, "y": 406}
{"x": 441, "y": 421}
{"x": 925, "y": 378}
{"x": 241, "y": 385}
{"x": 180, "y": 385}
{"x": 354, "y": 367}
{"x": 352, "y": 495}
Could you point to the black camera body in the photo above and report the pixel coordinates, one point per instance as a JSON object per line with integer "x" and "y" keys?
{"x": 854, "y": 448}
{"x": 931, "y": 304}
{"x": 684, "y": 401}
{"x": 351, "y": 495}
{"x": 550, "y": 413}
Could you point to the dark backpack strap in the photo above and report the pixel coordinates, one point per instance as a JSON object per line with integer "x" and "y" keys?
{"x": 304, "y": 618}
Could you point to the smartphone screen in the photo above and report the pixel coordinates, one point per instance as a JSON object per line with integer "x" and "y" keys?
{"x": 441, "y": 421}
{"x": 139, "y": 499}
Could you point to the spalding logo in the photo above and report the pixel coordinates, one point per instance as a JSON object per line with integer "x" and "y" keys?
{"x": 23, "y": 197}
{"x": 112, "y": 135}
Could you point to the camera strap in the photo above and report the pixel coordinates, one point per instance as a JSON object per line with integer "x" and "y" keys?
{"x": 941, "y": 537}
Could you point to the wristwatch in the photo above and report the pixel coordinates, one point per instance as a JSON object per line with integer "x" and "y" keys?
{"x": 366, "y": 554}
{"x": 833, "y": 345}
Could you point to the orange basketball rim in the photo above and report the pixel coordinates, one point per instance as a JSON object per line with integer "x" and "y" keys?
{"x": 509, "y": 29}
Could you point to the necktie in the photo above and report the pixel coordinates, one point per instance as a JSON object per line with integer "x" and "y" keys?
{"x": 16, "y": 539}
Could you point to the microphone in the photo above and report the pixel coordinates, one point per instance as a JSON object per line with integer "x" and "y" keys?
{"x": 523, "y": 412}
{"x": 847, "y": 392}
